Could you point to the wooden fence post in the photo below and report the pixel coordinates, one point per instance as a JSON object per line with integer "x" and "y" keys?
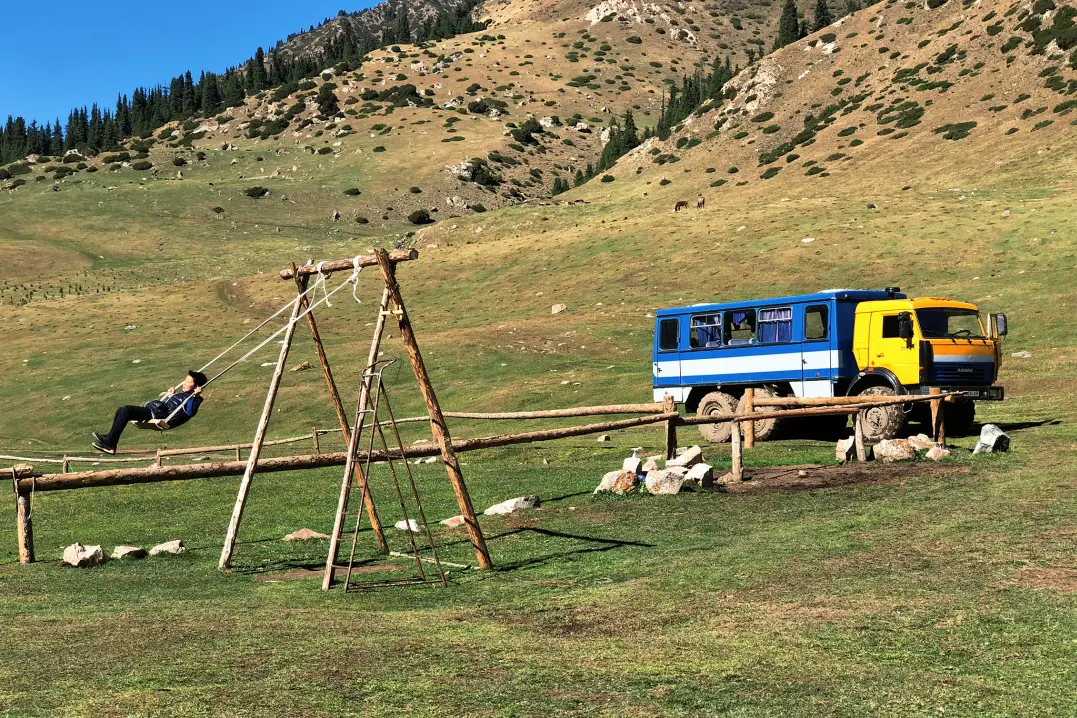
{"x": 938, "y": 425}
{"x": 738, "y": 466}
{"x": 24, "y": 528}
{"x": 749, "y": 427}
{"x": 671, "y": 428}
{"x": 438, "y": 426}
{"x": 314, "y": 439}
{"x": 858, "y": 436}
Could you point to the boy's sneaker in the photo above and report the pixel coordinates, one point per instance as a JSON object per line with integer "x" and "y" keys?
{"x": 101, "y": 444}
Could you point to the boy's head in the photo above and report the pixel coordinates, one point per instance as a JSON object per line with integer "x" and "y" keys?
{"x": 194, "y": 378}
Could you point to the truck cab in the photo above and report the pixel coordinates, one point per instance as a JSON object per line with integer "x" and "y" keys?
{"x": 841, "y": 342}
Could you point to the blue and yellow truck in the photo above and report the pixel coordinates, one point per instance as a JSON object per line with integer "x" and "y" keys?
{"x": 840, "y": 342}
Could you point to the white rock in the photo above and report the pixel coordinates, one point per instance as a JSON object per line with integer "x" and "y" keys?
{"x": 604, "y": 438}
{"x": 992, "y": 440}
{"x": 678, "y": 471}
{"x": 808, "y": 240}
{"x": 701, "y": 475}
{"x": 128, "y": 552}
{"x": 1021, "y": 355}
{"x": 893, "y": 450}
{"x": 453, "y": 521}
{"x": 558, "y": 308}
{"x": 845, "y": 450}
{"x": 430, "y": 460}
{"x": 305, "y": 535}
{"x": 691, "y": 456}
{"x": 618, "y": 482}
{"x": 173, "y": 547}
{"x": 409, "y": 525}
{"x": 512, "y": 505}
{"x": 633, "y": 464}
{"x": 83, "y": 556}
{"x": 937, "y": 452}
{"x": 651, "y": 464}
{"x": 663, "y": 482}
{"x": 921, "y": 442}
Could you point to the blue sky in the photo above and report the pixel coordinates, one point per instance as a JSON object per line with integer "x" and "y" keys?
{"x": 87, "y": 52}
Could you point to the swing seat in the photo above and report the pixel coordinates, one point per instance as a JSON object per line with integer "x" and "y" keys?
{"x": 151, "y": 425}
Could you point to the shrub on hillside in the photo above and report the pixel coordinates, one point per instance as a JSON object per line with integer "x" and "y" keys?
{"x": 352, "y": 192}
{"x": 362, "y": 220}
{"x": 142, "y": 165}
{"x": 607, "y": 178}
{"x": 379, "y": 148}
{"x": 256, "y": 192}
{"x": 18, "y": 183}
{"x": 478, "y": 207}
{"x": 119, "y": 157}
{"x": 179, "y": 161}
{"x": 420, "y": 216}
{"x": 414, "y": 190}
{"x": 4, "y": 174}
{"x": 634, "y": 39}
{"x": 325, "y": 150}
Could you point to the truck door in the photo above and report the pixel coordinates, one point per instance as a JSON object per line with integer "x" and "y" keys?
{"x": 889, "y": 351}
{"x": 666, "y": 365}
{"x": 815, "y": 354}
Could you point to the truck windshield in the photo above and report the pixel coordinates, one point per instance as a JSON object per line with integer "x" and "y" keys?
{"x": 949, "y": 323}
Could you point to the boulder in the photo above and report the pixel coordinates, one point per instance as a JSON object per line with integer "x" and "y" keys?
{"x": 633, "y": 464}
{"x": 409, "y": 525}
{"x": 651, "y": 464}
{"x": 558, "y": 308}
{"x": 664, "y": 482}
{"x": 83, "y": 556}
{"x": 618, "y": 482}
{"x": 690, "y": 457}
{"x": 701, "y": 475}
{"x": 894, "y": 450}
{"x": 937, "y": 452}
{"x": 679, "y": 471}
{"x": 512, "y": 506}
{"x": 172, "y": 547}
{"x": 921, "y": 442}
{"x": 992, "y": 440}
{"x": 604, "y": 438}
{"x": 128, "y": 552}
{"x": 305, "y": 535}
{"x": 301, "y": 367}
{"x": 453, "y": 522}
{"x": 1021, "y": 355}
{"x": 845, "y": 450}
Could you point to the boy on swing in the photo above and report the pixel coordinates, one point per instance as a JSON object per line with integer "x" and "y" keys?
{"x": 159, "y": 409}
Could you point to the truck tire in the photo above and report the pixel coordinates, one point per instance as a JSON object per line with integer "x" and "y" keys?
{"x": 882, "y": 422}
{"x": 959, "y": 417}
{"x": 764, "y": 427}
{"x": 716, "y": 402}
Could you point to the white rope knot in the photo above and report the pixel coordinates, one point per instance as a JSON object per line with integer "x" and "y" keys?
{"x": 321, "y": 281}
{"x": 355, "y": 278}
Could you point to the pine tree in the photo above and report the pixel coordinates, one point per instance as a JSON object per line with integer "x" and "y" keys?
{"x": 258, "y": 78}
{"x": 579, "y": 179}
{"x": 804, "y": 29}
{"x": 788, "y": 26}
{"x": 822, "y": 15}
{"x": 852, "y": 6}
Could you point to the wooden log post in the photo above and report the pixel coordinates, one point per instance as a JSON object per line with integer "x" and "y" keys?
{"x": 438, "y": 426}
{"x": 338, "y": 406}
{"x": 938, "y": 425}
{"x": 858, "y": 437}
{"x": 738, "y": 465}
{"x": 314, "y": 440}
{"x": 669, "y": 407}
{"x": 24, "y": 527}
{"x": 259, "y": 437}
{"x": 749, "y": 426}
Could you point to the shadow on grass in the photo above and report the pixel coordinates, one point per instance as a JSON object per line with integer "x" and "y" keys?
{"x": 605, "y": 544}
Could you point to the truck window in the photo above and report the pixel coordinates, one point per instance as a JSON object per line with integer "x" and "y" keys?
{"x": 667, "y": 335}
{"x": 775, "y": 325}
{"x": 950, "y": 323}
{"x": 706, "y": 331}
{"x": 891, "y": 327}
{"x": 815, "y": 322}
{"x": 739, "y": 327}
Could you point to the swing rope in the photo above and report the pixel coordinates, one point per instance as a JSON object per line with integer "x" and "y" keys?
{"x": 353, "y": 280}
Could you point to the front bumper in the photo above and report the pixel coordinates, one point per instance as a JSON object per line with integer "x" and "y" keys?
{"x": 975, "y": 393}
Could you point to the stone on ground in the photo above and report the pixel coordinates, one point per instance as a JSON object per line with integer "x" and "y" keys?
{"x": 921, "y": 442}
{"x": 409, "y": 525}
{"x": 557, "y": 308}
{"x": 604, "y": 438}
{"x": 512, "y": 506}
{"x": 301, "y": 367}
{"x": 453, "y": 521}
{"x": 618, "y": 482}
{"x": 664, "y": 482}
{"x": 894, "y": 450}
{"x": 305, "y": 535}
{"x": 690, "y": 457}
{"x": 173, "y": 547}
{"x": 83, "y": 556}
{"x": 128, "y": 552}
{"x": 992, "y": 440}
{"x": 633, "y": 464}
{"x": 678, "y": 471}
{"x": 937, "y": 452}
{"x": 651, "y": 464}
{"x": 701, "y": 475}
{"x": 845, "y": 450}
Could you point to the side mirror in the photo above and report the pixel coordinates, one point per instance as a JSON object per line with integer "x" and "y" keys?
{"x": 905, "y": 328}
{"x": 1001, "y": 327}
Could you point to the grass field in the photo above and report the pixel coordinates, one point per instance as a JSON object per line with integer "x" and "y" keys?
{"x": 913, "y": 590}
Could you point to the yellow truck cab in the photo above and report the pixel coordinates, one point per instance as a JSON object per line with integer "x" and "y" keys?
{"x": 909, "y": 346}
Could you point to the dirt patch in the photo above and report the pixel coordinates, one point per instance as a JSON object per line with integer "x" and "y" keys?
{"x": 811, "y": 478}
{"x": 1050, "y": 578}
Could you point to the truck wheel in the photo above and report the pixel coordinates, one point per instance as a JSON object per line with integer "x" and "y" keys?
{"x": 959, "y": 417}
{"x": 716, "y": 402}
{"x": 764, "y": 427}
{"x": 882, "y": 422}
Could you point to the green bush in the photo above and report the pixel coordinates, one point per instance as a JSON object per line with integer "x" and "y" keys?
{"x": 732, "y": 170}
{"x": 771, "y": 172}
{"x": 477, "y": 207}
{"x": 18, "y": 183}
{"x": 957, "y": 131}
{"x": 634, "y": 39}
{"x": 607, "y": 178}
{"x": 763, "y": 117}
{"x": 325, "y": 150}
{"x": 352, "y": 192}
{"x": 414, "y": 190}
{"x": 847, "y": 131}
{"x": 379, "y": 148}
{"x": 120, "y": 157}
{"x": 4, "y": 174}
{"x": 718, "y": 183}
{"x": 179, "y": 161}
{"x": 420, "y": 216}
{"x": 362, "y": 220}
{"x": 771, "y": 129}
{"x": 256, "y": 192}
{"x": 141, "y": 165}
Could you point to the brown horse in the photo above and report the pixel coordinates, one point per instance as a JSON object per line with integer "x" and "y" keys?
{"x": 683, "y": 204}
